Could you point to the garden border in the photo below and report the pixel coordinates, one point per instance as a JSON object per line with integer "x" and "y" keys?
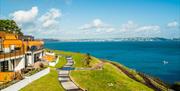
{"x": 19, "y": 85}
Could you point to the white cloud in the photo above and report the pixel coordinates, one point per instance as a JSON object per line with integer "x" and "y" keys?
{"x": 129, "y": 29}
{"x": 172, "y": 24}
{"x": 130, "y": 25}
{"x": 132, "y": 29}
{"x": 45, "y": 25}
{"x": 110, "y": 30}
{"x": 25, "y": 16}
{"x": 50, "y": 18}
{"x": 98, "y": 25}
{"x": 48, "y": 24}
{"x": 148, "y": 28}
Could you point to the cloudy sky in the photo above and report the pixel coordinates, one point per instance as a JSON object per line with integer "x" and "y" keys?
{"x": 83, "y": 19}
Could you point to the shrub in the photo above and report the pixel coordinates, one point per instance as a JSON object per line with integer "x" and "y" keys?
{"x": 176, "y": 86}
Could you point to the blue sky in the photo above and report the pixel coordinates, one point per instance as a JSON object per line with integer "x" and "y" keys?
{"x": 84, "y": 19}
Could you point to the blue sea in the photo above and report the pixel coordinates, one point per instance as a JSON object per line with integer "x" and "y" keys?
{"x": 147, "y": 57}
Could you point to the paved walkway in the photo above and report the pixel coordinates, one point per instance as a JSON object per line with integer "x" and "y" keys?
{"x": 64, "y": 77}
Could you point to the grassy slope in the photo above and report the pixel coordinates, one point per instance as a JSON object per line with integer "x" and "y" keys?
{"x": 61, "y": 63}
{"x": 78, "y": 57}
{"x": 48, "y": 82}
{"x": 139, "y": 78}
{"x": 101, "y": 79}
{"x": 131, "y": 71}
{"x": 91, "y": 80}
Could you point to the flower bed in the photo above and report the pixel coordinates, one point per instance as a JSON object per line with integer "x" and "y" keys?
{"x": 22, "y": 83}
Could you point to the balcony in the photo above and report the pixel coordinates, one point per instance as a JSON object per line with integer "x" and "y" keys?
{"x": 35, "y": 43}
{"x": 13, "y": 54}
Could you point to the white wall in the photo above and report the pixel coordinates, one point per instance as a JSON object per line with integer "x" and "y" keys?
{"x": 19, "y": 63}
{"x": 10, "y": 65}
{"x": 48, "y": 53}
{"x": 54, "y": 62}
{"x": 6, "y": 50}
{"x": 29, "y": 60}
{"x": 41, "y": 54}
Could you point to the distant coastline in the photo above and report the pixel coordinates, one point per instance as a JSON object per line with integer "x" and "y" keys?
{"x": 112, "y": 39}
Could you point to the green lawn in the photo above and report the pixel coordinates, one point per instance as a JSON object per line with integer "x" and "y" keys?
{"x": 133, "y": 72}
{"x": 100, "y": 80}
{"x": 61, "y": 63}
{"x": 48, "y": 82}
{"x": 78, "y": 58}
{"x": 108, "y": 79}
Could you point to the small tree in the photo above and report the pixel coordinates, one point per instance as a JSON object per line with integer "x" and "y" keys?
{"x": 87, "y": 59}
{"x": 10, "y": 26}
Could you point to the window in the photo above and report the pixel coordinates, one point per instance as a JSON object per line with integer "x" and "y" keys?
{"x": 4, "y": 66}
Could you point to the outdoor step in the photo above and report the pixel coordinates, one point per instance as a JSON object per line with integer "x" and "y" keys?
{"x": 69, "y": 58}
{"x": 69, "y": 64}
{"x": 63, "y": 72}
{"x": 69, "y": 85}
{"x": 63, "y": 79}
{"x": 63, "y": 75}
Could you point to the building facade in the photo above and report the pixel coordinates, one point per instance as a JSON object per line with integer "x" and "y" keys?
{"x": 18, "y": 52}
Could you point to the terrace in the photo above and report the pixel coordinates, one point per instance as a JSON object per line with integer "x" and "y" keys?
{"x": 11, "y": 55}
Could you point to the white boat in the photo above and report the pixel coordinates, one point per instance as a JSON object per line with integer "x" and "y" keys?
{"x": 165, "y": 62}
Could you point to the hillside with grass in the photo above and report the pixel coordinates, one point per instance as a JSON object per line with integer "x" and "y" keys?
{"x": 111, "y": 77}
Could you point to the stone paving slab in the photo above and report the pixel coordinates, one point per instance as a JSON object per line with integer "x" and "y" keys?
{"x": 69, "y": 85}
{"x": 69, "y": 64}
{"x": 69, "y": 58}
{"x": 63, "y": 76}
{"x": 63, "y": 79}
{"x": 63, "y": 72}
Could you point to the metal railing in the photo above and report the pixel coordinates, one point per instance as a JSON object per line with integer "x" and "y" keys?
{"x": 16, "y": 51}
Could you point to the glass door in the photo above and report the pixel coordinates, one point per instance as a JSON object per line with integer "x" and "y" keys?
{"x": 4, "y": 66}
